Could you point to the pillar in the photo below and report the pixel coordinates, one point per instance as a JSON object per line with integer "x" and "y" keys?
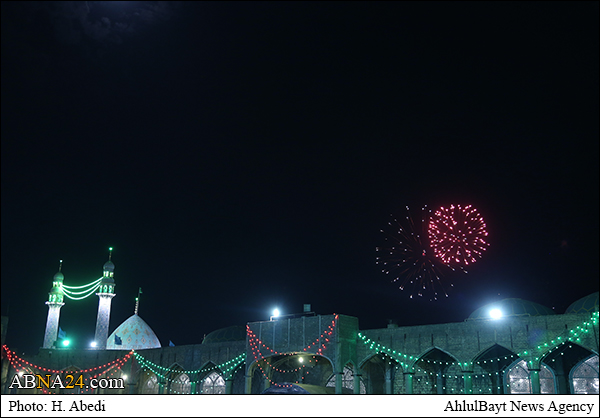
{"x": 248, "y": 388}
{"x": 389, "y": 380}
{"x": 440, "y": 383}
{"x": 338, "y": 383}
{"x": 356, "y": 382}
{"x": 534, "y": 376}
{"x": 468, "y": 381}
{"x": 229, "y": 386}
{"x": 408, "y": 382}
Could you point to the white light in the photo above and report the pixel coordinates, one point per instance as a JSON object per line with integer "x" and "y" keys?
{"x": 275, "y": 312}
{"x": 124, "y": 377}
{"x": 496, "y": 313}
{"x": 93, "y": 344}
{"x": 301, "y": 360}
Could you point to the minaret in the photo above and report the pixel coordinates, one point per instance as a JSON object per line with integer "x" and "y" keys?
{"x": 105, "y": 294}
{"x": 55, "y": 302}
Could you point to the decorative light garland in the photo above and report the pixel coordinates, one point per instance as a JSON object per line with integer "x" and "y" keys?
{"x": 20, "y": 364}
{"x": 557, "y": 342}
{"x": 574, "y": 336}
{"x": 89, "y": 289}
{"x": 255, "y": 344}
{"x": 225, "y": 368}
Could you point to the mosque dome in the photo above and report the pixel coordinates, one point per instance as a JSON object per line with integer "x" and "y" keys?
{"x": 233, "y": 333}
{"x": 108, "y": 266}
{"x": 512, "y": 307}
{"x": 588, "y": 303}
{"x": 134, "y": 334}
{"x": 59, "y": 276}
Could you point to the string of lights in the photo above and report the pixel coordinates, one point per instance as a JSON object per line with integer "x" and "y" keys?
{"x": 573, "y": 335}
{"x": 328, "y": 332}
{"x": 164, "y": 372}
{"x": 223, "y": 367}
{"x": 22, "y": 366}
{"x": 74, "y": 292}
{"x": 11, "y": 355}
{"x": 256, "y": 344}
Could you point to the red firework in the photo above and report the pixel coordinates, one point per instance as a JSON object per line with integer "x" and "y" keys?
{"x": 457, "y": 235}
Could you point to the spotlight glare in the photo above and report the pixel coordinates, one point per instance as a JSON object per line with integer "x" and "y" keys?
{"x": 496, "y": 313}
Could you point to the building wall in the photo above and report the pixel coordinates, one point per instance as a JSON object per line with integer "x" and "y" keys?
{"x": 437, "y": 355}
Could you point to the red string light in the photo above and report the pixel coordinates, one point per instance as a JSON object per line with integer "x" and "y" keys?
{"x": 19, "y": 364}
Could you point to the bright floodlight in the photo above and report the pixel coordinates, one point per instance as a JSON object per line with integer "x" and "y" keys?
{"x": 66, "y": 343}
{"x": 496, "y": 313}
{"x": 275, "y": 312}
{"x": 301, "y": 360}
{"x": 93, "y": 344}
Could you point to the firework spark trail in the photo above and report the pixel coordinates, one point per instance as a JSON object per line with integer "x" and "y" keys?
{"x": 458, "y": 235}
{"x": 410, "y": 259}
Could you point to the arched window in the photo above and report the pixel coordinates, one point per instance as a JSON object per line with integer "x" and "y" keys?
{"x": 150, "y": 385}
{"x": 181, "y": 384}
{"x": 584, "y": 376}
{"x": 519, "y": 381}
{"x": 213, "y": 384}
{"x": 347, "y": 381}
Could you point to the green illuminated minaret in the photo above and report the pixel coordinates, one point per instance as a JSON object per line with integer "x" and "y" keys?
{"x": 55, "y": 302}
{"x": 105, "y": 295}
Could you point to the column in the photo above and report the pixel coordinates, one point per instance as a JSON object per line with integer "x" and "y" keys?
{"x": 408, "y": 382}
{"x": 440, "y": 382}
{"x": 248, "y": 388}
{"x": 229, "y": 386}
{"x": 338, "y": 383}
{"x": 534, "y": 375}
{"x": 356, "y": 382}
{"x": 468, "y": 381}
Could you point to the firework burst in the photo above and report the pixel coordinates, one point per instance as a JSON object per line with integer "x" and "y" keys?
{"x": 458, "y": 235}
{"x": 408, "y": 257}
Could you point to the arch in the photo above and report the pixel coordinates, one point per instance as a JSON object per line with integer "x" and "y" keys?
{"x": 213, "y": 384}
{"x": 584, "y": 376}
{"x": 74, "y": 371}
{"x": 563, "y": 359}
{"x": 347, "y": 380}
{"x": 148, "y": 383}
{"x": 436, "y": 371}
{"x": 517, "y": 379}
{"x": 285, "y": 369}
{"x": 177, "y": 381}
{"x": 378, "y": 371}
{"x": 489, "y": 367}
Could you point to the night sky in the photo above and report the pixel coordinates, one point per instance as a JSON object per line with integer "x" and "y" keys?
{"x": 243, "y": 156}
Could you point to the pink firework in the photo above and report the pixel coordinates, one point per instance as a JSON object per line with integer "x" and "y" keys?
{"x": 457, "y": 235}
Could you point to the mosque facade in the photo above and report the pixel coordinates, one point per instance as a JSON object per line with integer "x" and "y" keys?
{"x": 513, "y": 346}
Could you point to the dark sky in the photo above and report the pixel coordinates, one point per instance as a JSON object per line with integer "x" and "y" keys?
{"x": 242, "y": 156}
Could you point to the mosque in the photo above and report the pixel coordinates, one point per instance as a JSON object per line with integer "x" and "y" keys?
{"x": 509, "y": 347}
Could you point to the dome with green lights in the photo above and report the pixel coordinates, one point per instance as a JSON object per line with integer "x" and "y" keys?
{"x": 588, "y": 303}
{"x": 509, "y": 308}
{"x": 234, "y": 333}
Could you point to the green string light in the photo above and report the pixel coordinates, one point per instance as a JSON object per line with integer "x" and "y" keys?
{"x": 556, "y": 344}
